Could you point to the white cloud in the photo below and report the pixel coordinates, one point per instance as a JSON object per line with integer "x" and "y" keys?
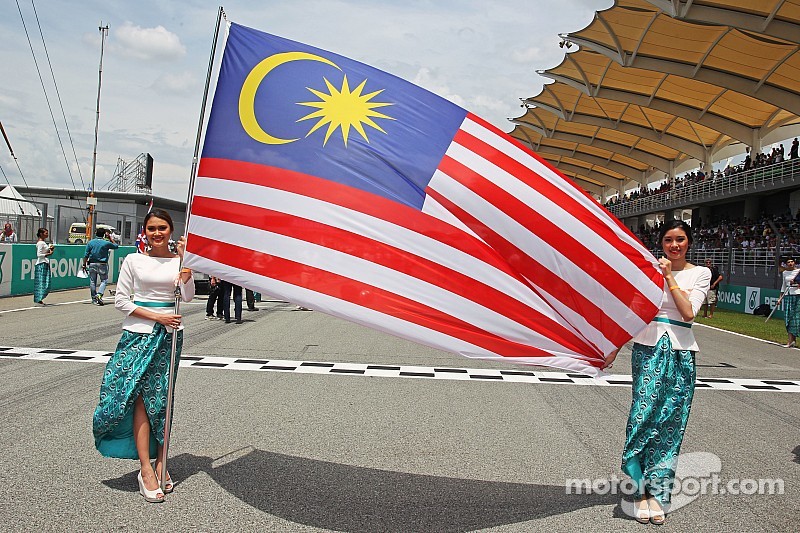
{"x": 430, "y": 80}
{"x": 529, "y": 55}
{"x": 157, "y": 43}
{"x": 175, "y": 83}
{"x": 481, "y": 56}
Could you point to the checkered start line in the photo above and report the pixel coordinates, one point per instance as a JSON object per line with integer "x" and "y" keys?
{"x": 391, "y": 371}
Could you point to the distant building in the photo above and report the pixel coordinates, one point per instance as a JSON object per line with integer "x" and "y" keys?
{"x": 60, "y": 208}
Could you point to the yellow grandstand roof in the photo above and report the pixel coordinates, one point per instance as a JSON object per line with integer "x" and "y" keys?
{"x": 659, "y": 83}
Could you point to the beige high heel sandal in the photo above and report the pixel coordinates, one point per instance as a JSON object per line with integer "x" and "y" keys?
{"x": 152, "y": 496}
{"x": 641, "y": 514}
{"x": 657, "y": 515}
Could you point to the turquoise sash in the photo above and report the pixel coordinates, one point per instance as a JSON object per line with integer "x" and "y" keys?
{"x": 154, "y": 304}
{"x": 673, "y": 322}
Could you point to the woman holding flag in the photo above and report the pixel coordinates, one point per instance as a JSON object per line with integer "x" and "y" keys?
{"x": 790, "y": 293}
{"x": 129, "y": 420}
{"x": 663, "y": 372}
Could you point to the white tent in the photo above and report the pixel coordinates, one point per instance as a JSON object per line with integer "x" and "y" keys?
{"x": 13, "y": 203}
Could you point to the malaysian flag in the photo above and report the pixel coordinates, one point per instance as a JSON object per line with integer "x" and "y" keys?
{"x": 342, "y": 188}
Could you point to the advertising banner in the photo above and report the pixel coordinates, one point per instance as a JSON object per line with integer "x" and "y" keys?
{"x": 746, "y": 299}
{"x": 17, "y": 266}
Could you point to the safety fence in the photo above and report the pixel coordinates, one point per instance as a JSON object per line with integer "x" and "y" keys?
{"x": 757, "y": 179}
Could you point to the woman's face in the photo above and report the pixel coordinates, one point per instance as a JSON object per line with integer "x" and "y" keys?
{"x": 157, "y": 232}
{"x": 675, "y": 244}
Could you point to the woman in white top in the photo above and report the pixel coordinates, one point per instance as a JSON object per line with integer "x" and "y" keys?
{"x": 663, "y": 372}
{"x": 129, "y": 420}
{"x": 790, "y": 294}
{"x": 41, "y": 274}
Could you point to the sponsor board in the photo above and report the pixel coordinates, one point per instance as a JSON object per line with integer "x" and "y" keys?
{"x": 745, "y": 299}
{"x": 17, "y": 263}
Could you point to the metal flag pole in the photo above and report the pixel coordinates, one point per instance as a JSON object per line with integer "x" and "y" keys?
{"x": 777, "y": 304}
{"x": 173, "y": 352}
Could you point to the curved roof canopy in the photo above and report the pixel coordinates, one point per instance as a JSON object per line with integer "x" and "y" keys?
{"x": 773, "y": 18}
{"x": 670, "y": 81}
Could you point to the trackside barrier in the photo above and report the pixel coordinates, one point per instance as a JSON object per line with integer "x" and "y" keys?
{"x": 745, "y": 299}
{"x": 17, "y": 266}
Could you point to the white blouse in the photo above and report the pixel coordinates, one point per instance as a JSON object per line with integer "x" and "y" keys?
{"x": 788, "y": 277}
{"x": 693, "y": 281}
{"x": 41, "y": 252}
{"x": 148, "y": 279}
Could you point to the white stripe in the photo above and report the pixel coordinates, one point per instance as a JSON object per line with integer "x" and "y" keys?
{"x": 579, "y": 321}
{"x": 374, "y": 319}
{"x": 514, "y": 151}
{"x": 534, "y": 246}
{"x": 378, "y": 230}
{"x": 373, "y": 274}
{"x": 433, "y": 208}
{"x": 575, "y": 322}
{"x": 604, "y": 250}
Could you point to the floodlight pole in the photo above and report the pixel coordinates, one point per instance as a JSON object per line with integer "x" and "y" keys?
{"x": 91, "y": 201}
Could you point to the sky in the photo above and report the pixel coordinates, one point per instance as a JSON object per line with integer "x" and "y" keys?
{"x": 480, "y": 55}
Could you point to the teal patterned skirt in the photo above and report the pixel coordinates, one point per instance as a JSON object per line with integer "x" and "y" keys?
{"x": 41, "y": 281}
{"x": 139, "y": 367}
{"x": 663, "y": 387}
{"x": 791, "y": 312}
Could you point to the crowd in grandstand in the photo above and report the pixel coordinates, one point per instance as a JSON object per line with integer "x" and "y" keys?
{"x": 777, "y": 155}
{"x": 741, "y": 234}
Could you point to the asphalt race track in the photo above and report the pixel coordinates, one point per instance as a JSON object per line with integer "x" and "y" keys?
{"x": 296, "y": 421}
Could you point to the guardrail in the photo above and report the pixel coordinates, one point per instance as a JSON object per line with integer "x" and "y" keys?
{"x": 738, "y": 261}
{"x": 779, "y": 174}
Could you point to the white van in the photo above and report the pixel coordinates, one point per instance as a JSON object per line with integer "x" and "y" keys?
{"x": 77, "y": 232}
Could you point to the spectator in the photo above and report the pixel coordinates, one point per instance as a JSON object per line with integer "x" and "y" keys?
{"x": 250, "y": 297}
{"x": 214, "y": 295}
{"x": 711, "y": 296}
{"x": 229, "y": 288}
{"x": 95, "y": 262}
{"x": 8, "y": 235}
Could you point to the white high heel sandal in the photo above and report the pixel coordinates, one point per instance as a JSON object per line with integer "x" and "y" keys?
{"x": 152, "y": 496}
{"x": 168, "y": 486}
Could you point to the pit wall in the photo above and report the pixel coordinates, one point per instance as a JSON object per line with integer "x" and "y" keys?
{"x": 17, "y": 262}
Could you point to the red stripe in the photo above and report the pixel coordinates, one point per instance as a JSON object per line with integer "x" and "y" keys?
{"x": 566, "y": 181}
{"x": 532, "y": 269}
{"x": 393, "y": 258}
{"x": 577, "y": 252}
{"x": 556, "y": 193}
{"x": 361, "y": 294}
{"x": 358, "y": 200}
{"x": 533, "y": 221}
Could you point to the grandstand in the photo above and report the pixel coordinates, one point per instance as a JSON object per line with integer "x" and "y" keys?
{"x": 653, "y": 101}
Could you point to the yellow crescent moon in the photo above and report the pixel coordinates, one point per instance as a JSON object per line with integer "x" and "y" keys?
{"x": 247, "y": 97}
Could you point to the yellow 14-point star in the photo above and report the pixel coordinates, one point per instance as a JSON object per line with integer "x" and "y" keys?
{"x": 344, "y": 109}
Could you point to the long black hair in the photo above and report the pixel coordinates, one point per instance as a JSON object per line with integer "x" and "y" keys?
{"x": 675, "y": 224}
